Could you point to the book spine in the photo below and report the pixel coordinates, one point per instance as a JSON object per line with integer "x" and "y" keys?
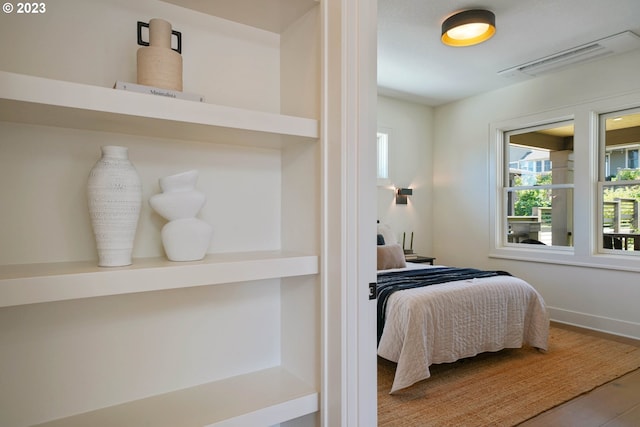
{"x": 131, "y": 87}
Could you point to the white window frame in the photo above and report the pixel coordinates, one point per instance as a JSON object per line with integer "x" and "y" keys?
{"x": 383, "y": 157}
{"x": 603, "y": 183}
{"x": 505, "y": 189}
{"x": 587, "y": 199}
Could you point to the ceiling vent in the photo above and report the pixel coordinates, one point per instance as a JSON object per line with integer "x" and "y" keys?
{"x": 612, "y": 45}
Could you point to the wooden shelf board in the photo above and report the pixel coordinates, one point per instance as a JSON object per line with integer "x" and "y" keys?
{"x": 35, "y": 283}
{"x": 41, "y": 101}
{"x": 261, "y": 398}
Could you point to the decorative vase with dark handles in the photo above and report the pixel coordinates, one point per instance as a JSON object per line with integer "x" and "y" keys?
{"x": 158, "y": 64}
{"x": 114, "y": 191}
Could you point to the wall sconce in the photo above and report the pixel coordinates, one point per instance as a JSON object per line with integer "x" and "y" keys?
{"x": 401, "y": 195}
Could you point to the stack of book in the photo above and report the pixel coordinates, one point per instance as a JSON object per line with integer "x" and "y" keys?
{"x": 133, "y": 87}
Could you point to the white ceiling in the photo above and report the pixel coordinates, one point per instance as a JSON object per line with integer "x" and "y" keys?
{"x": 413, "y": 64}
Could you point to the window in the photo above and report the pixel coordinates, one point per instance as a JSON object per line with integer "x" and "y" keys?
{"x": 619, "y": 183}
{"x": 537, "y": 187}
{"x": 568, "y": 178}
{"x": 383, "y": 158}
{"x": 632, "y": 159}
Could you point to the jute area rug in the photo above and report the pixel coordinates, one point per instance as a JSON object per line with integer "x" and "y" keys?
{"x": 507, "y": 387}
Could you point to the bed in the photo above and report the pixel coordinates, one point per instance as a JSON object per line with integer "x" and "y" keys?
{"x": 460, "y": 313}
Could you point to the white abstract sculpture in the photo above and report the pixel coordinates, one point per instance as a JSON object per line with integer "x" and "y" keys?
{"x": 184, "y": 237}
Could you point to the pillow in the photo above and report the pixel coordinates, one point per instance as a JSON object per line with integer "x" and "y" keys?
{"x": 391, "y": 256}
{"x": 387, "y": 233}
{"x": 380, "y": 239}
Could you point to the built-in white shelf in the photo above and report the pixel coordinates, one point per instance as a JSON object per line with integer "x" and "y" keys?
{"x": 35, "y": 283}
{"x": 42, "y": 101}
{"x": 274, "y": 16}
{"x": 261, "y": 398}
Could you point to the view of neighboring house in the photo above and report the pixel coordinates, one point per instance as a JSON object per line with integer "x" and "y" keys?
{"x": 620, "y": 158}
{"x": 533, "y": 190}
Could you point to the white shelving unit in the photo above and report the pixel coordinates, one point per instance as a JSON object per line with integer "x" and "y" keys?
{"x": 47, "y": 282}
{"x": 266, "y": 395}
{"x": 41, "y": 101}
{"x": 263, "y": 398}
{"x": 35, "y": 100}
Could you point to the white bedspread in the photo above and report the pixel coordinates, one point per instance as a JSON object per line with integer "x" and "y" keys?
{"x": 446, "y": 322}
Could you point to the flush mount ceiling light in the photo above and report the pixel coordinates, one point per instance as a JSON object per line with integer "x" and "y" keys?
{"x": 468, "y": 27}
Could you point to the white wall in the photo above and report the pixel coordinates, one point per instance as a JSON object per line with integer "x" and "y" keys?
{"x": 596, "y": 298}
{"x": 410, "y": 128}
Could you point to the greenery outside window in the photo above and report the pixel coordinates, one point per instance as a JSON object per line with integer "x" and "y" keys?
{"x": 537, "y": 191}
{"x": 596, "y": 223}
{"x": 619, "y": 183}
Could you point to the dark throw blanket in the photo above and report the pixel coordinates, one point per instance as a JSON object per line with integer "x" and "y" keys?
{"x": 393, "y": 281}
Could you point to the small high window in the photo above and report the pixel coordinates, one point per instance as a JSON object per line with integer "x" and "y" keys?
{"x": 383, "y": 158}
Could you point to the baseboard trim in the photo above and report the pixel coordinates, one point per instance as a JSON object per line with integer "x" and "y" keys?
{"x": 606, "y": 325}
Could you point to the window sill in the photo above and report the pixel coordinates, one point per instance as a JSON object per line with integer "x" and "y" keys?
{"x": 569, "y": 258}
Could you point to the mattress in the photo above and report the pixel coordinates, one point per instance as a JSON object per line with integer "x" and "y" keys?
{"x": 446, "y": 322}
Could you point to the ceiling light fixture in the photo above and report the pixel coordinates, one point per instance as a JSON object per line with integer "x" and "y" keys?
{"x": 468, "y": 27}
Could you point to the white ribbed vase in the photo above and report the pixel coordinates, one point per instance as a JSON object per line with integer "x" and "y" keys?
{"x": 184, "y": 237}
{"x": 114, "y": 191}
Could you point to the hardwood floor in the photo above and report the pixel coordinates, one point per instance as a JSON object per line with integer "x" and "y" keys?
{"x": 615, "y": 404}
